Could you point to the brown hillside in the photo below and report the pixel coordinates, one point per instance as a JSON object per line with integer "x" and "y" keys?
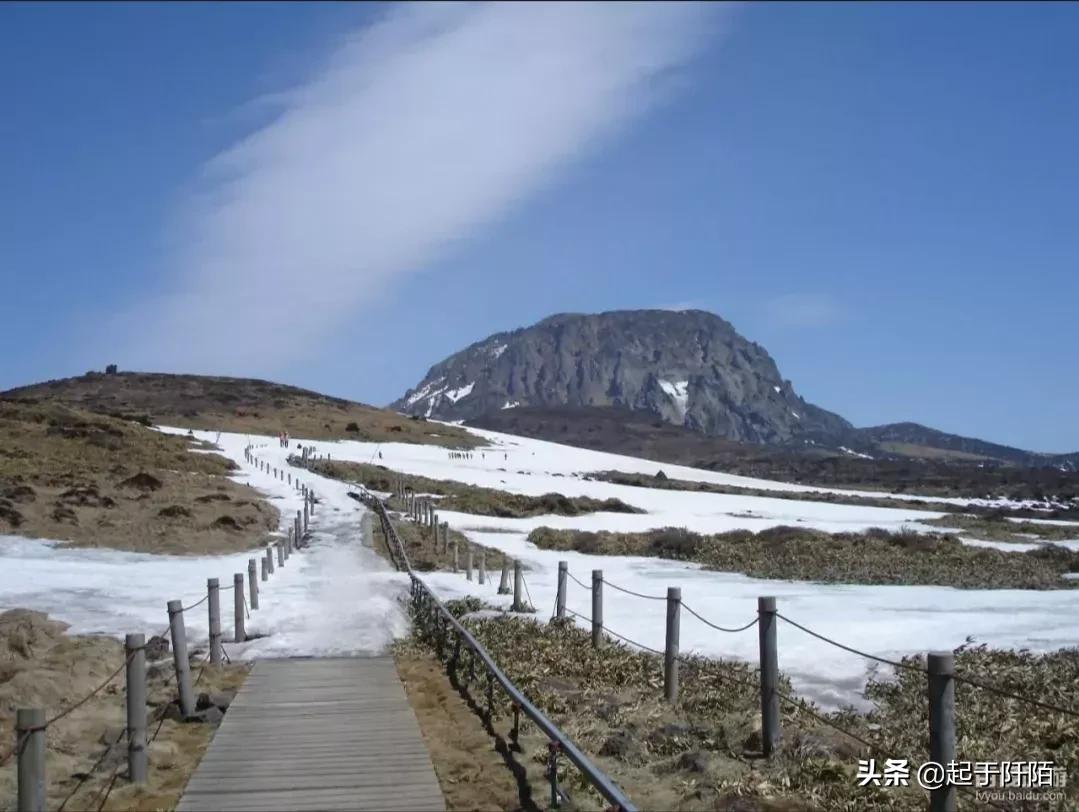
{"x": 235, "y": 404}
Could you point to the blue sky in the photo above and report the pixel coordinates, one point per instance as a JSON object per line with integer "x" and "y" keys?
{"x": 886, "y": 196}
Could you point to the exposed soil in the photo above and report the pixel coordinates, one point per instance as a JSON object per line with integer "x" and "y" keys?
{"x": 99, "y": 481}
{"x": 42, "y": 666}
{"x": 237, "y": 404}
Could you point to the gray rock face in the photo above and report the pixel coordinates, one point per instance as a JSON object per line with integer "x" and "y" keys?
{"x": 689, "y": 368}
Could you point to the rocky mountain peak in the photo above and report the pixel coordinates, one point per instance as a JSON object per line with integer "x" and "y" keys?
{"x": 689, "y": 368}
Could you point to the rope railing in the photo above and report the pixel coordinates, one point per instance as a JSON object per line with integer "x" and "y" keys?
{"x": 560, "y": 743}
{"x": 634, "y": 594}
{"x": 716, "y": 626}
{"x": 939, "y": 671}
{"x": 613, "y": 633}
{"x": 32, "y": 724}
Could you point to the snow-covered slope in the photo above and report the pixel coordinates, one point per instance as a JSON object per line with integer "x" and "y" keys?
{"x": 339, "y": 597}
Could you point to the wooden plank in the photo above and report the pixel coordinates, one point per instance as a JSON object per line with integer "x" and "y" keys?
{"x": 326, "y": 734}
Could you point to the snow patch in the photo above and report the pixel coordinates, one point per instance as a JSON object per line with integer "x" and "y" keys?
{"x": 498, "y": 350}
{"x": 511, "y": 404}
{"x": 795, "y": 414}
{"x": 678, "y": 392}
{"x": 778, "y": 389}
{"x": 846, "y": 450}
{"x": 425, "y": 392}
{"x": 455, "y": 395}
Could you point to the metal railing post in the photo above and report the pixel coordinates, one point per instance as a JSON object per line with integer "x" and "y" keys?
{"x": 941, "y": 667}
{"x": 766, "y": 624}
{"x": 135, "y": 653}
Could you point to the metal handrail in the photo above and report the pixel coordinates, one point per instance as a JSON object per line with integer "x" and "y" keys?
{"x": 596, "y": 777}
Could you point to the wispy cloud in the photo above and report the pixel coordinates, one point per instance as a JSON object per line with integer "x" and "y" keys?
{"x": 417, "y": 132}
{"x": 803, "y": 310}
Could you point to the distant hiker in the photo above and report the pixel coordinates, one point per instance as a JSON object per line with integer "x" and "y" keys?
{"x": 380, "y": 455}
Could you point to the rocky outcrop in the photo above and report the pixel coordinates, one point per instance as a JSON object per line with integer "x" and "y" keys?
{"x": 688, "y": 368}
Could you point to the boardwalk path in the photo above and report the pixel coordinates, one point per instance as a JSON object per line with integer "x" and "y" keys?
{"x": 304, "y": 734}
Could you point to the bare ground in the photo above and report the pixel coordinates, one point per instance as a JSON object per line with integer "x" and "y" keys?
{"x": 241, "y": 405}
{"x": 99, "y": 481}
{"x": 42, "y": 666}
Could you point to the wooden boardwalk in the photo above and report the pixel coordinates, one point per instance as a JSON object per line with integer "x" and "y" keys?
{"x": 307, "y": 734}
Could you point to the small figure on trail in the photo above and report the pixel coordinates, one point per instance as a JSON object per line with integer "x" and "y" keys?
{"x": 380, "y": 455}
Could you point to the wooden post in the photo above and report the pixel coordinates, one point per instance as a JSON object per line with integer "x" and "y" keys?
{"x": 264, "y": 573}
{"x": 597, "y": 608}
{"x": 468, "y": 562}
{"x": 30, "y": 746}
{"x": 766, "y": 625}
{"x": 269, "y": 558}
{"x": 280, "y": 555}
{"x": 560, "y": 596}
{"x": 213, "y": 591}
{"x": 445, "y": 535}
{"x": 306, "y": 513}
{"x": 455, "y": 563}
{"x": 941, "y": 667}
{"x": 518, "y": 592}
{"x": 504, "y": 581}
{"x": 253, "y": 584}
{"x": 483, "y": 566}
{"x": 670, "y": 651}
{"x": 238, "y": 634}
{"x": 296, "y": 534}
{"x": 179, "y": 657}
{"x": 135, "y": 655}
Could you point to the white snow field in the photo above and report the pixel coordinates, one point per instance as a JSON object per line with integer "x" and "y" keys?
{"x": 336, "y": 597}
{"x": 339, "y": 597}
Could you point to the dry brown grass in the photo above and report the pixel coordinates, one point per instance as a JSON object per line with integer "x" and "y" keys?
{"x": 477, "y": 766}
{"x": 99, "y": 481}
{"x": 875, "y": 556}
{"x": 241, "y": 405}
{"x": 42, "y": 666}
{"x": 464, "y": 498}
{"x": 425, "y": 554}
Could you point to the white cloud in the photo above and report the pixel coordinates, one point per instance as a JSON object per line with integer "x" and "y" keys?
{"x": 803, "y": 310}
{"x": 417, "y": 132}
